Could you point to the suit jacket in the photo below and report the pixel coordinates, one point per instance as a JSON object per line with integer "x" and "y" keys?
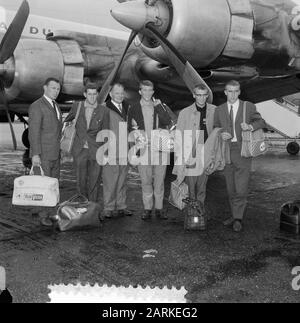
{"x": 189, "y": 119}
{"x": 99, "y": 121}
{"x": 135, "y": 112}
{"x": 222, "y": 119}
{"x": 116, "y": 118}
{"x": 44, "y": 130}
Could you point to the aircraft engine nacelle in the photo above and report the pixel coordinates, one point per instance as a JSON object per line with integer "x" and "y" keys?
{"x": 36, "y": 60}
{"x": 202, "y": 31}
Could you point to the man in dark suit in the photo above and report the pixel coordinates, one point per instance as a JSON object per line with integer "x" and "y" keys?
{"x": 92, "y": 118}
{"x": 229, "y": 117}
{"x": 114, "y": 174}
{"x": 45, "y": 125}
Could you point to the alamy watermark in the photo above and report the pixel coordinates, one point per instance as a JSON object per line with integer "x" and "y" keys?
{"x": 296, "y": 280}
{"x": 2, "y": 279}
{"x": 137, "y": 148}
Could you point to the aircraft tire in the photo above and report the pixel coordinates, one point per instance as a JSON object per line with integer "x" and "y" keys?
{"x": 293, "y": 148}
{"x": 25, "y": 139}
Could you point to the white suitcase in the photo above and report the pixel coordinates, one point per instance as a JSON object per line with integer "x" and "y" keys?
{"x": 36, "y": 190}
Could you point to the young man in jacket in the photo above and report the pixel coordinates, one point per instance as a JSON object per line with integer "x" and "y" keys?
{"x": 92, "y": 118}
{"x": 229, "y": 117}
{"x": 45, "y": 125}
{"x": 197, "y": 117}
{"x": 147, "y": 116}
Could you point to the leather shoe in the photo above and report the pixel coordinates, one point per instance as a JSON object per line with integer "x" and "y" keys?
{"x": 146, "y": 215}
{"x": 46, "y": 222}
{"x": 228, "y": 221}
{"x": 108, "y": 214}
{"x": 237, "y": 226}
{"x": 161, "y": 214}
{"x": 124, "y": 212}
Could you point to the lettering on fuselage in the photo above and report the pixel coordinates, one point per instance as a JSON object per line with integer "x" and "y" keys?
{"x": 33, "y": 30}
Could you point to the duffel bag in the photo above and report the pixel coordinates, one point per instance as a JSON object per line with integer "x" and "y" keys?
{"x": 78, "y": 212}
{"x": 36, "y": 190}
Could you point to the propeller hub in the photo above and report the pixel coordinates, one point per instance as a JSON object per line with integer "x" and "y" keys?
{"x": 135, "y": 15}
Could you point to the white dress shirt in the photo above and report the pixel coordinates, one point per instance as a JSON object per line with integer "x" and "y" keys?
{"x": 51, "y": 103}
{"x": 235, "y": 107}
{"x": 117, "y": 105}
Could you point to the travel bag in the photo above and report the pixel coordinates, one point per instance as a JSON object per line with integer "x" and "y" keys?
{"x": 36, "y": 190}
{"x": 78, "y": 212}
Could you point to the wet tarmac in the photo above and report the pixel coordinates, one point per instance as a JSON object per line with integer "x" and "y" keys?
{"x": 216, "y": 265}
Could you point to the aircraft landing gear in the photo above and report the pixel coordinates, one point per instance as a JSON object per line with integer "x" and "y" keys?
{"x": 293, "y": 148}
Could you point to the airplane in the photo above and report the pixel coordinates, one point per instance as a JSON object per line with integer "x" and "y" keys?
{"x": 174, "y": 43}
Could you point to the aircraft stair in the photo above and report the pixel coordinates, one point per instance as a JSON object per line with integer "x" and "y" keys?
{"x": 283, "y": 117}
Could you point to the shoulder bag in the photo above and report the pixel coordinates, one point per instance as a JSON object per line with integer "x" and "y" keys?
{"x": 69, "y": 132}
{"x": 253, "y": 142}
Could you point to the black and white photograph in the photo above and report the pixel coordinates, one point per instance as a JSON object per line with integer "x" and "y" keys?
{"x": 149, "y": 154}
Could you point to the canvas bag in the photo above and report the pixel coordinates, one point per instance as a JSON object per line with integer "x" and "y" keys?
{"x": 163, "y": 139}
{"x": 78, "y": 212}
{"x": 177, "y": 194}
{"x": 69, "y": 132}
{"x": 36, "y": 190}
{"x": 253, "y": 142}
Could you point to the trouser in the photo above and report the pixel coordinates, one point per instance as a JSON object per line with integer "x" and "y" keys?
{"x": 197, "y": 187}
{"x": 237, "y": 176}
{"x": 88, "y": 173}
{"x": 152, "y": 178}
{"x": 114, "y": 187}
{"x": 51, "y": 168}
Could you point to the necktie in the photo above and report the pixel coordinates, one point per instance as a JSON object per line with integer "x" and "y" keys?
{"x": 120, "y": 107}
{"x": 232, "y": 121}
{"x": 55, "y": 109}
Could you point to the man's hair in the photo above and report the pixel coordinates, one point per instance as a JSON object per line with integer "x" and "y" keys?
{"x": 51, "y": 79}
{"x": 146, "y": 83}
{"x": 201, "y": 87}
{"x": 233, "y": 83}
{"x": 91, "y": 86}
{"x": 117, "y": 84}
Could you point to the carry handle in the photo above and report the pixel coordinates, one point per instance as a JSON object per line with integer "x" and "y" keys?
{"x": 77, "y": 197}
{"x": 244, "y": 111}
{"x": 32, "y": 172}
{"x": 74, "y": 121}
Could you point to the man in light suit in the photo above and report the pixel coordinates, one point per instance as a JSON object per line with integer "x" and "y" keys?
{"x": 114, "y": 176}
{"x": 92, "y": 118}
{"x": 229, "y": 117}
{"x": 45, "y": 125}
{"x": 197, "y": 117}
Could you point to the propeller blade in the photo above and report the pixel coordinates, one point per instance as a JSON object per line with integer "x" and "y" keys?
{"x": 111, "y": 78}
{"x": 5, "y": 103}
{"x": 185, "y": 70}
{"x": 14, "y": 32}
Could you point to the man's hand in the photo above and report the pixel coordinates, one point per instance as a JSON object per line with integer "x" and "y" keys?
{"x": 226, "y": 136}
{"x": 157, "y": 102}
{"x": 36, "y": 161}
{"x": 246, "y": 126}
